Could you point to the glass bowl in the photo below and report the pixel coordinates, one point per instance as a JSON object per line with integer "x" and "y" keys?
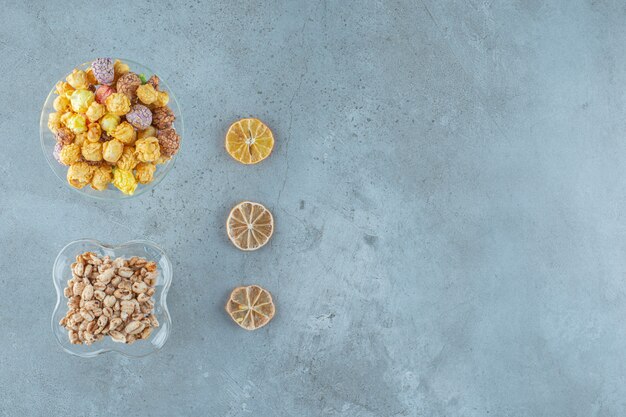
{"x": 61, "y": 273}
{"x": 48, "y": 140}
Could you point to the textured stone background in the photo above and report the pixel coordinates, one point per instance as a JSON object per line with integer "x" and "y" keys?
{"x": 446, "y": 185}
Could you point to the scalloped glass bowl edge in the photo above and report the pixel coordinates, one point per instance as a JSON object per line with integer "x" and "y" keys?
{"x": 61, "y": 273}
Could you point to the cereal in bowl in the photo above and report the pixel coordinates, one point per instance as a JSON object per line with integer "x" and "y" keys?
{"x": 110, "y": 297}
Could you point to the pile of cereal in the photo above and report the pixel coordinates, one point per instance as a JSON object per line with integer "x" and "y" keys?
{"x": 112, "y": 126}
{"x": 110, "y": 298}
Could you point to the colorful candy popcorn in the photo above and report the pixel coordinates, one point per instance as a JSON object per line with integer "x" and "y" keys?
{"x": 64, "y": 89}
{"x": 79, "y": 174}
{"x": 163, "y": 117}
{"x": 120, "y": 69}
{"x": 103, "y": 92}
{"x": 92, "y": 151}
{"x": 76, "y": 122}
{"x": 147, "y": 132}
{"x": 61, "y": 104}
{"x": 91, "y": 79}
{"x": 128, "y": 84}
{"x": 112, "y": 126}
{"x": 95, "y": 111}
{"x": 69, "y": 154}
{"x": 127, "y": 160}
{"x": 125, "y": 133}
{"x": 144, "y": 172}
{"x": 81, "y": 99}
{"x": 78, "y": 79}
{"x": 140, "y": 116}
{"x": 54, "y": 122}
{"x": 124, "y": 181}
{"x": 94, "y": 132}
{"x": 112, "y": 150}
{"x": 57, "y": 152}
{"x": 146, "y": 93}
{"x": 103, "y": 70}
{"x": 169, "y": 142}
{"x": 118, "y": 104}
{"x": 102, "y": 176}
{"x": 147, "y": 149}
{"x": 162, "y": 99}
{"x": 109, "y": 122}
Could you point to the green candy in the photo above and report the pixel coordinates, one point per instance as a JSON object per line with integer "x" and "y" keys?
{"x": 143, "y": 79}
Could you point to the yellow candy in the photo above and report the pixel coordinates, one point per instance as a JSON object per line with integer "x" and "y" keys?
{"x": 147, "y": 149}
{"x": 92, "y": 151}
{"x": 118, "y": 104}
{"x": 145, "y": 172}
{"x": 94, "y": 132}
{"x": 78, "y": 79}
{"x": 64, "y": 89}
{"x": 79, "y": 174}
{"x": 147, "y": 94}
{"x": 95, "y": 111}
{"x": 124, "y": 181}
{"x": 91, "y": 79}
{"x": 162, "y": 99}
{"x": 127, "y": 161}
{"x": 112, "y": 150}
{"x": 125, "y": 133}
{"x": 109, "y": 122}
{"x": 64, "y": 117}
{"x": 102, "y": 176}
{"x": 146, "y": 133}
{"x": 54, "y": 122}
{"x": 61, "y": 104}
{"x": 69, "y": 154}
{"x": 80, "y": 138}
{"x": 76, "y": 123}
{"x": 119, "y": 69}
{"x": 81, "y": 100}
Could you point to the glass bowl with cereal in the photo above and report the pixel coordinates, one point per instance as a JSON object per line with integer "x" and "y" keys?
{"x": 111, "y": 298}
{"x": 111, "y": 129}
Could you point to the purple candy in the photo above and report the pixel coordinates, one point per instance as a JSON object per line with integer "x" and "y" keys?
{"x": 139, "y": 116}
{"x": 57, "y": 152}
{"x": 103, "y": 70}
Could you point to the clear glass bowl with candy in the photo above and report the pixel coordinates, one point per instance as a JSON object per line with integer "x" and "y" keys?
{"x": 111, "y": 129}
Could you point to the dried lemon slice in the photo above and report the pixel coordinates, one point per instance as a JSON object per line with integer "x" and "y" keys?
{"x": 250, "y": 307}
{"x": 249, "y": 225}
{"x": 249, "y": 141}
